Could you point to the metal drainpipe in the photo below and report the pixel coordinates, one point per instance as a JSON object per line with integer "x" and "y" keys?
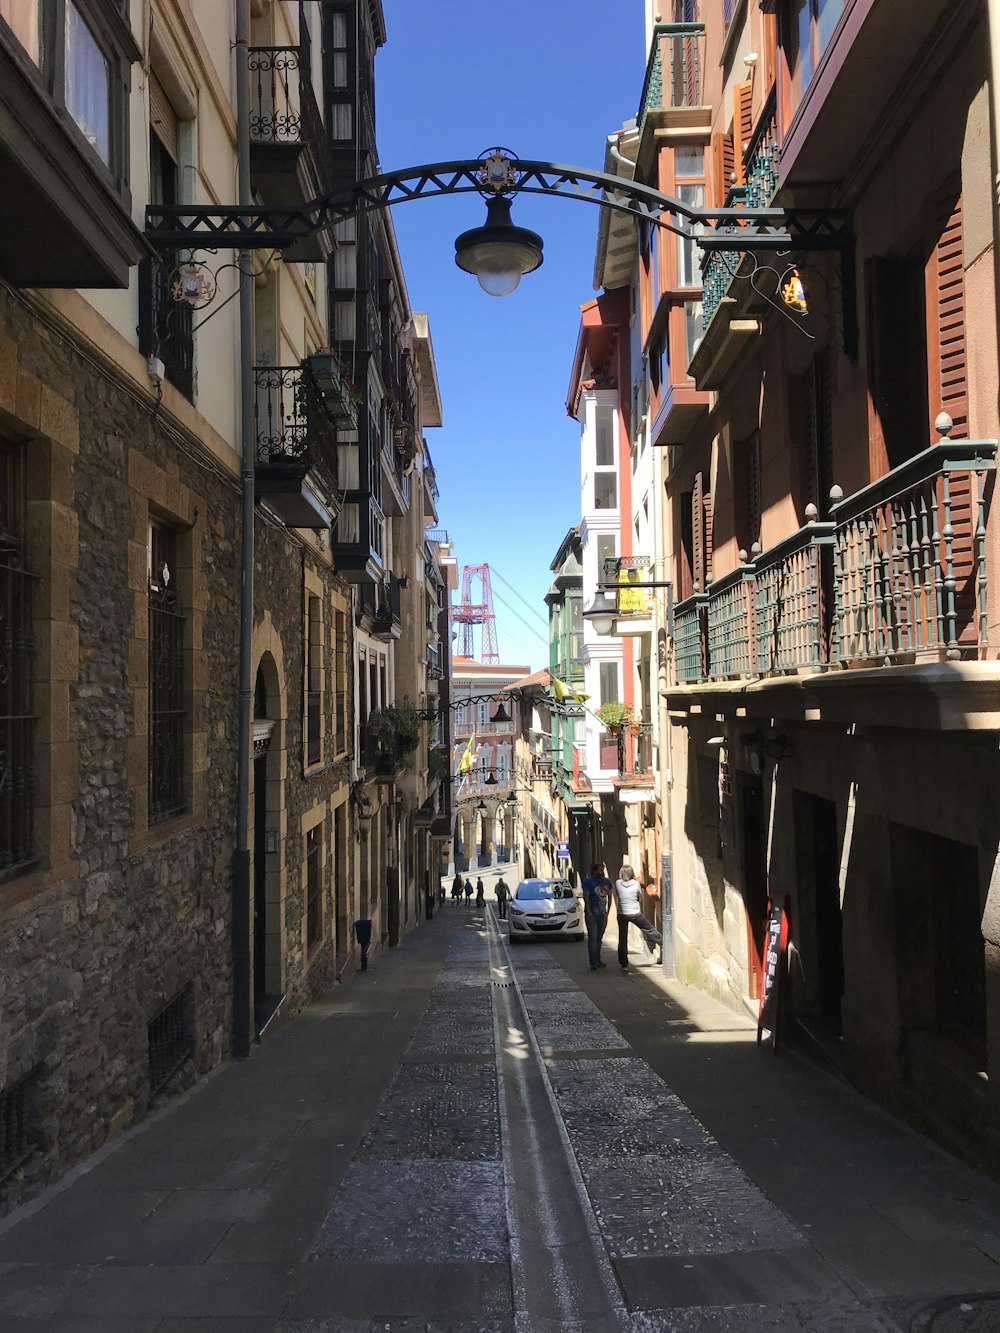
{"x": 664, "y": 774}
{"x": 242, "y": 982}
{"x": 994, "y": 17}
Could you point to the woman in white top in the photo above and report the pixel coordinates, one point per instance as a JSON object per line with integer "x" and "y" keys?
{"x": 628, "y": 901}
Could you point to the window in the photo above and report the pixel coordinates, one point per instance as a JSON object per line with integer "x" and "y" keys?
{"x": 604, "y": 438}
{"x": 811, "y": 25}
{"x": 314, "y": 681}
{"x": 314, "y": 885}
{"x": 340, "y": 666}
{"x": 87, "y": 83}
{"x": 167, "y": 684}
{"x": 166, "y": 326}
{"x": 607, "y": 549}
{"x": 608, "y": 678}
{"x": 17, "y": 659}
{"x": 23, "y": 19}
{"x": 605, "y": 491}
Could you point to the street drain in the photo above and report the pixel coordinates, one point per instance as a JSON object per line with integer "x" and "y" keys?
{"x": 503, "y": 985}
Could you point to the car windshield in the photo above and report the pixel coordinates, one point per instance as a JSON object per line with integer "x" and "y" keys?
{"x": 543, "y": 888}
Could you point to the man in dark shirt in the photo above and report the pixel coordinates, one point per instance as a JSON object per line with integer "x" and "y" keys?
{"x": 596, "y": 893}
{"x": 503, "y": 893}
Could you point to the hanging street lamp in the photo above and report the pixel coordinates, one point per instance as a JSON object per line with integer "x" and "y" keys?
{"x": 498, "y": 253}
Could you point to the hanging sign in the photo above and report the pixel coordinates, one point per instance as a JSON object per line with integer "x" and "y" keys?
{"x": 775, "y": 953}
{"x": 562, "y": 851}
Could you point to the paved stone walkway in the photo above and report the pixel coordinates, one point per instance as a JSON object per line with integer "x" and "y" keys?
{"x": 463, "y": 1140}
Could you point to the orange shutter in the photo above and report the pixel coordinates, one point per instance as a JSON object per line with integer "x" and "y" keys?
{"x": 722, "y": 168}
{"x": 706, "y": 516}
{"x": 742, "y": 125}
{"x": 947, "y": 356}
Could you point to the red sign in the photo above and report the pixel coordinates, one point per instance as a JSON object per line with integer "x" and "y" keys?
{"x": 775, "y": 954}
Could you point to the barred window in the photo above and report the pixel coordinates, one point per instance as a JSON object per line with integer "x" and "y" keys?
{"x": 167, "y": 711}
{"x": 314, "y": 681}
{"x": 17, "y": 659}
{"x": 340, "y": 667}
{"x": 314, "y": 885}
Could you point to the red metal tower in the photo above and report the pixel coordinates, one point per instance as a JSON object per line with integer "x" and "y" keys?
{"x": 471, "y": 613}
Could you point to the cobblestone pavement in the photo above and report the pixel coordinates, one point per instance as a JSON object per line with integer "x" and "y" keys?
{"x": 463, "y": 1140}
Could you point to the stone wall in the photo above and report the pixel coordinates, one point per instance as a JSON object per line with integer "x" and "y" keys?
{"x": 122, "y": 916}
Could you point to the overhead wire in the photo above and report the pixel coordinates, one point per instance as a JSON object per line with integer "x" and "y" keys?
{"x": 534, "y": 611}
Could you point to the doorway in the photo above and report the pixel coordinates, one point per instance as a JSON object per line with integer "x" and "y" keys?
{"x": 754, "y": 829}
{"x": 821, "y": 930}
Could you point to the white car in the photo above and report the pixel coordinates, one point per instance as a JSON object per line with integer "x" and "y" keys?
{"x": 545, "y": 907}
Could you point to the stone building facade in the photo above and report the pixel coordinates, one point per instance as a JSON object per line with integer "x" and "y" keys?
{"x": 121, "y": 563}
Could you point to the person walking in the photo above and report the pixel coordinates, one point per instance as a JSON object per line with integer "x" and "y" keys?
{"x": 480, "y": 894}
{"x": 596, "y": 892}
{"x": 441, "y": 893}
{"x": 456, "y": 889}
{"x": 468, "y": 892}
{"x": 503, "y": 893}
{"x": 628, "y": 900}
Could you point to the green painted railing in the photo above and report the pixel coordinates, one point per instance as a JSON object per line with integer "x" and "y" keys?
{"x": 674, "y": 68}
{"x": 898, "y": 574}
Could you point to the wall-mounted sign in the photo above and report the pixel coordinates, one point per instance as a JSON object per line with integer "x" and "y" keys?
{"x": 562, "y": 851}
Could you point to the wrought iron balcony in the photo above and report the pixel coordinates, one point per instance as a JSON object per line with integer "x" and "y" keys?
{"x": 897, "y": 576}
{"x": 289, "y": 159}
{"x": 760, "y": 182}
{"x": 379, "y": 608}
{"x": 296, "y": 446}
{"x": 674, "y": 69}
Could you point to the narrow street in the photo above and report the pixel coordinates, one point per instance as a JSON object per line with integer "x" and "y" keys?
{"x": 466, "y": 1138}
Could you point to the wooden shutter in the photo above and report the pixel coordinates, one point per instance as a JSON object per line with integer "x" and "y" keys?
{"x": 947, "y": 355}
{"x": 819, "y": 437}
{"x": 163, "y": 117}
{"x": 742, "y": 125}
{"x": 948, "y": 391}
{"x": 706, "y": 520}
{"x": 722, "y": 168}
{"x": 698, "y": 530}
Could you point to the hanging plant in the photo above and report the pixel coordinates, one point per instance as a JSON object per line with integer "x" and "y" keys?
{"x": 396, "y": 727}
{"x": 437, "y": 764}
{"x": 616, "y": 715}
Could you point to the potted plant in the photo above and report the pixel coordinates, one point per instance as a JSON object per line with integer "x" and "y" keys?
{"x": 616, "y": 715}
{"x": 395, "y": 729}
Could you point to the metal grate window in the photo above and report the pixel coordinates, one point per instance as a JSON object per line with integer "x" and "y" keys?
{"x": 340, "y": 666}
{"x": 16, "y": 1139}
{"x": 314, "y": 885}
{"x": 17, "y": 661}
{"x": 167, "y": 711}
{"x": 314, "y": 681}
{"x": 171, "y": 1038}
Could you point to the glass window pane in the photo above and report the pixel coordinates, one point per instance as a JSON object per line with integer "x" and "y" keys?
{"x": 802, "y": 21}
{"x": 605, "y": 440}
{"x": 87, "y": 87}
{"x": 828, "y": 13}
{"x": 605, "y": 490}
{"x": 688, "y": 259}
{"x": 692, "y": 329}
{"x": 689, "y": 161}
{"x": 609, "y": 682}
{"x": 22, "y": 17}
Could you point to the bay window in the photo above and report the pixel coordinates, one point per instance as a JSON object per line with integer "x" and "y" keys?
{"x": 811, "y": 24}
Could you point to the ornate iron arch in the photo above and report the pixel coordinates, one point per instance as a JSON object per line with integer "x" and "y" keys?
{"x": 497, "y": 172}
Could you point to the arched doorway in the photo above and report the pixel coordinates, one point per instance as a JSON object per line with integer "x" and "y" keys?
{"x": 268, "y": 988}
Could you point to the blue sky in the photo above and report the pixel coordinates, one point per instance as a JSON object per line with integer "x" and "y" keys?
{"x": 548, "y": 80}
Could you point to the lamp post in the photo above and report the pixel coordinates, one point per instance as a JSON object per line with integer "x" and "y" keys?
{"x": 498, "y": 253}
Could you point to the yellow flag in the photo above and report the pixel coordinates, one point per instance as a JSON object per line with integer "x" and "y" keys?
{"x": 562, "y": 692}
{"x": 468, "y": 758}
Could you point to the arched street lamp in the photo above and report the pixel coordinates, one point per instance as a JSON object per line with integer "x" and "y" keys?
{"x": 602, "y": 612}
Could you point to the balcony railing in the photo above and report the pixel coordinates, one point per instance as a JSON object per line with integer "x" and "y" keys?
{"x": 294, "y": 430}
{"x": 690, "y": 644}
{"x": 760, "y": 175}
{"x": 909, "y": 572}
{"x": 674, "y": 68}
{"x": 789, "y": 606}
{"x": 898, "y": 575}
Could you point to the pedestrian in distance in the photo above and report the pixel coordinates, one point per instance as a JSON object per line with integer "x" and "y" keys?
{"x": 480, "y": 894}
{"x": 441, "y": 893}
{"x": 456, "y": 889}
{"x": 628, "y": 900}
{"x": 468, "y": 892}
{"x": 503, "y": 893}
{"x": 596, "y": 892}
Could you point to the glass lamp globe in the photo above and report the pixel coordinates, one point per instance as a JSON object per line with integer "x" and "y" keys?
{"x": 499, "y": 254}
